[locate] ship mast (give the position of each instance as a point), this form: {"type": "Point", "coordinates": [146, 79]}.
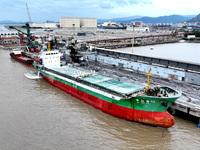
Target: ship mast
{"type": "Point", "coordinates": [148, 80]}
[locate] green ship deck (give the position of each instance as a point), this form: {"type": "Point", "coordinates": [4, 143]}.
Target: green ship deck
{"type": "Point", "coordinates": [110, 84]}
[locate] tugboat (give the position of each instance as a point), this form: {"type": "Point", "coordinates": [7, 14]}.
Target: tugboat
{"type": "Point", "coordinates": [119, 99]}
{"type": "Point", "coordinates": [19, 56]}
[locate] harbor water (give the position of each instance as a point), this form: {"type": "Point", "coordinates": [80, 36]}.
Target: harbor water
{"type": "Point", "coordinates": [2, 27]}
{"type": "Point", "coordinates": [36, 115]}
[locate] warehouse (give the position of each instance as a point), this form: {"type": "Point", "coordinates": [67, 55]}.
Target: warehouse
{"type": "Point", "coordinates": [71, 22]}
{"type": "Point", "coordinates": [44, 25]}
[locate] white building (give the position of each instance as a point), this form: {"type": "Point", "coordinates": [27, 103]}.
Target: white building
{"type": "Point", "coordinates": [71, 22]}
{"type": "Point", "coordinates": [191, 36]}
{"type": "Point", "coordinates": [137, 23]}
{"type": "Point", "coordinates": [88, 22]}
{"type": "Point", "coordinates": [105, 24]}
{"type": "Point", "coordinates": [137, 29]}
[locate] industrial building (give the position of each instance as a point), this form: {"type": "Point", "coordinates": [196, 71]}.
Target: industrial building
{"type": "Point", "coordinates": [44, 25]}
{"type": "Point", "coordinates": [137, 29]}
{"type": "Point", "coordinates": [137, 23]}
{"type": "Point", "coordinates": [77, 23]}
{"type": "Point", "coordinates": [105, 24]}
{"type": "Point", "coordinates": [137, 26]}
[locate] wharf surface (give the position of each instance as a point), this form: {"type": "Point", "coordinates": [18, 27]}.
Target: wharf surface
{"type": "Point", "coordinates": [186, 107]}
{"type": "Point", "coordinates": [141, 40]}
{"type": "Point", "coordinates": [179, 70]}
{"type": "Point", "coordinates": [161, 61]}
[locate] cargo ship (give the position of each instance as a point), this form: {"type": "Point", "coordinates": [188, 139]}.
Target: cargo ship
{"type": "Point", "coordinates": [21, 57]}
{"type": "Point", "coordinates": [117, 98]}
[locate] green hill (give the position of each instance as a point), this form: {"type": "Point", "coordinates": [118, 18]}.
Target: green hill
{"type": "Point", "coordinates": [195, 19]}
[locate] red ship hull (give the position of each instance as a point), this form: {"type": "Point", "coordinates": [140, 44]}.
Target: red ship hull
{"type": "Point", "coordinates": [22, 59]}
{"type": "Point", "coordinates": [152, 118]}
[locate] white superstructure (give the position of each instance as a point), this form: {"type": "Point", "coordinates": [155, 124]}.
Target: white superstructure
{"type": "Point", "coordinates": [50, 59]}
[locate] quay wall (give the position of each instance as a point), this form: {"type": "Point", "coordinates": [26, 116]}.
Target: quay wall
{"type": "Point", "coordinates": [7, 41]}
{"type": "Point", "coordinates": [144, 67]}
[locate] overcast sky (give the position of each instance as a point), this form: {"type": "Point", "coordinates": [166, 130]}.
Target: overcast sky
{"type": "Point", "coordinates": [42, 10]}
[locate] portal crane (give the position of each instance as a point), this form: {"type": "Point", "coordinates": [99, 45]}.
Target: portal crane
{"type": "Point", "coordinates": [30, 38]}
{"type": "Point", "coordinates": [29, 44]}
{"type": "Point", "coordinates": [28, 13]}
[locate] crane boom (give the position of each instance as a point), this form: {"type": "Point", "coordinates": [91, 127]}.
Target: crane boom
{"type": "Point", "coordinates": [28, 13]}
{"type": "Point", "coordinates": [29, 44]}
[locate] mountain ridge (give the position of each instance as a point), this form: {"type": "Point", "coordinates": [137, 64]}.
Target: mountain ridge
{"type": "Point", "coordinates": [195, 19]}
{"type": "Point", "coordinates": [11, 22]}
{"type": "Point", "coordinates": [146, 19]}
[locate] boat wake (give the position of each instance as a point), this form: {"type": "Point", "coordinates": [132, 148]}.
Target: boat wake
{"type": "Point", "coordinates": [33, 75]}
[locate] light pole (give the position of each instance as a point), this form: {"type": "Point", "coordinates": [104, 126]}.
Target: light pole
{"type": "Point", "coordinates": [132, 41]}
{"type": "Point", "coordinates": [74, 28]}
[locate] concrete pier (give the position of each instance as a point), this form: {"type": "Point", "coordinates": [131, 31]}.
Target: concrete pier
{"type": "Point", "coordinates": [186, 107]}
